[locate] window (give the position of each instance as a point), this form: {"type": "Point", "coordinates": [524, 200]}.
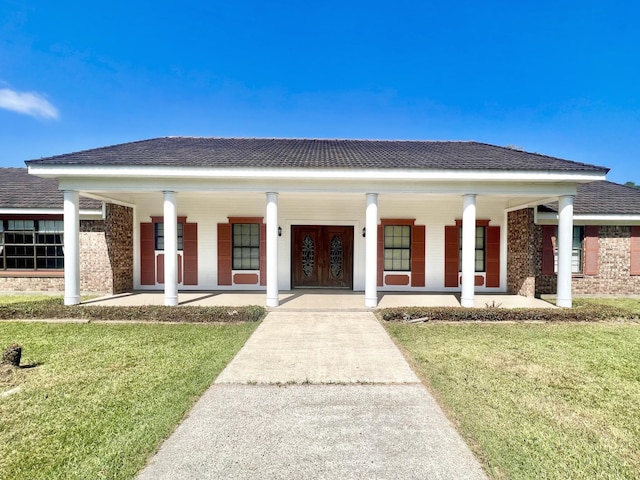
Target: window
{"type": "Point", "coordinates": [480, 249]}
{"type": "Point", "coordinates": [577, 251]}
{"type": "Point", "coordinates": [397, 248]}
{"type": "Point", "coordinates": [246, 246]}
{"type": "Point", "coordinates": [159, 236]}
{"type": "Point", "coordinates": [31, 244]}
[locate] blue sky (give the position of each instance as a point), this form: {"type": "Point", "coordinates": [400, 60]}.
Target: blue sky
{"type": "Point", "coordinates": [554, 77]}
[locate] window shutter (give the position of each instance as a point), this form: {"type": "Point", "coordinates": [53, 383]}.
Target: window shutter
{"type": "Point", "coordinates": [548, 250]}
{"type": "Point", "coordinates": [635, 251]}
{"type": "Point", "coordinates": [591, 234]}
{"type": "Point", "coordinates": [451, 256]}
{"type": "Point", "coordinates": [190, 252]}
{"type": "Point", "coordinates": [263, 254]}
{"type": "Point", "coordinates": [160, 267]}
{"type": "Point", "coordinates": [493, 256]}
{"type": "Point", "coordinates": [380, 255]}
{"type": "Point", "coordinates": [417, 256]}
{"type": "Point", "coordinates": [147, 255]}
{"type": "Point", "coordinates": [224, 254]}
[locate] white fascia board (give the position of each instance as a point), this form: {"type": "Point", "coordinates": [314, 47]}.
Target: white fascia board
{"type": "Point", "coordinates": [159, 172]}
{"type": "Point", "coordinates": [85, 213]}
{"type": "Point", "coordinates": [551, 218]}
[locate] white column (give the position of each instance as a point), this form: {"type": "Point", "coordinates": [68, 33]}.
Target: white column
{"type": "Point", "coordinates": [468, 250]}
{"type": "Point", "coordinates": [565, 247]}
{"type": "Point", "coordinates": [71, 248]}
{"type": "Point", "coordinates": [371, 252]}
{"type": "Point", "coordinates": [170, 249]}
{"type": "Point", "coordinates": [272, 249]}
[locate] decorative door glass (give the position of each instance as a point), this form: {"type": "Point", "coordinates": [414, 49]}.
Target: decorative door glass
{"type": "Point", "coordinates": [308, 255]}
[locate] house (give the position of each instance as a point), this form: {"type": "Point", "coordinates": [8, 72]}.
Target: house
{"type": "Point", "coordinates": [364, 215]}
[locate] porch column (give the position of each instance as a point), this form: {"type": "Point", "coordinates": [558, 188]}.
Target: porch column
{"type": "Point", "coordinates": [272, 249]}
{"type": "Point", "coordinates": [468, 250]}
{"type": "Point", "coordinates": [371, 253]}
{"type": "Point", "coordinates": [71, 247]}
{"type": "Point", "coordinates": [565, 244]}
{"type": "Point", "coordinates": [170, 249]}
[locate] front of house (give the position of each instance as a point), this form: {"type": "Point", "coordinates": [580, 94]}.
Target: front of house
{"type": "Point", "coordinates": [278, 214]}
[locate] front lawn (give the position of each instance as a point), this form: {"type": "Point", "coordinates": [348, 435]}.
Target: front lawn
{"type": "Point", "coordinates": [629, 303]}
{"type": "Point", "coordinates": [100, 398]}
{"type": "Point", "coordinates": [552, 400]}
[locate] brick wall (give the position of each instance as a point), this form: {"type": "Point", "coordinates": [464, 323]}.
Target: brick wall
{"type": "Point", "coordinates": [524, 261]}
{"type": "Point", "coordinates": [106, 259]}
{"type": "Point", "coordinates": [119, 240]}
{"type": "Point", "coordinates": [28, 283]}
{"type": "Point", "coordinates": [95, 270]}
{"type": "Point", "coordinates": [521, 253]}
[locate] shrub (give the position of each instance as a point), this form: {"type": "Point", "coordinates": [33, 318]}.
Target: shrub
{"type": "Point", "coordinates": [592, 313]}
{"type": "Point", "coordinates": [55, 309]}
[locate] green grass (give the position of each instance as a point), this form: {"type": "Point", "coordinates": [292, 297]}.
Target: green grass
{"type": "Point", "coordinates": [103, 397]}
{"type": "Point", "coordinates": [632, 304]}
{"type": "Point", "coordinates": [555, 400]}
{"type": "Point", "coordinates": [28, 298]}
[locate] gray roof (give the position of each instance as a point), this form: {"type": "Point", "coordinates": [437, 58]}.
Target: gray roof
{"type": "Point", "coordinates": [18, 189]}
{"type": "Point", "coordinates": [316, 153]}
{"type": "Point", "coordinates": [602, 198]}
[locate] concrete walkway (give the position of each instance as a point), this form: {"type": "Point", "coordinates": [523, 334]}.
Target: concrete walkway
{"type": "Point", "coordinates": [316, 396]}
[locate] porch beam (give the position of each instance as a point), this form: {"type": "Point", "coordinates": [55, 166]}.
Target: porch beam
{"type": "Point", "coordinates": [467, 296]}
{"type": "Point", "coordinates": [71, 247]}
{"type": "Point", "coordinates": [565, 244]}
{"type": "Point", "coordinates": [272, 249]}
{"type": "Point", "coordinates": [170, 249]}
{"type": "Point", "coordinates": [371, 253]}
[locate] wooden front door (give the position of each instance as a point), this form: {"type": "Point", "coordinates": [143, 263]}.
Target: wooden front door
{"type": "Point", "coordinates": [322, 256]}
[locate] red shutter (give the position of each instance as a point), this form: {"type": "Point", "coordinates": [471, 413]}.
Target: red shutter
{"type": "Point", "coordinates": [224, 254]}
{"type": "Point", "coordinates": [190, 251]}
{"type": "Point", "coordinates": [591, 234]}
{"type": "Point", "coordinates": [635, 251]}
{"type": "Point", "coordinates": [380, 255]}
{"type": "Point", "coordinates": [160, 267]}
{"type": "Point", "coordinates": [548, 249]}
{"type": "Point", "coordinates": [263, 254]}
{"type": "Point", "coordinates": [147, 254]}
{"type": "Point", "coordinates": [493, 257]}
{"type": "Point", "coordinates": [451, 253]}
{"type": "Point", "coordinates": [417, 256]}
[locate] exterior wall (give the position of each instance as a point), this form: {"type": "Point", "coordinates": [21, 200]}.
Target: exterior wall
{"type": "Point", "coordinates": [106, 252]}
{"type": "Point", "coordinates": [31, 283]}
{"type": "Point", "coordinates": [95, 272]}
{"type": "Point", "coordinates": [433, 211]}
{"type": "Point", "coordinates": [106, 259]}
{"type": "Point", "coordinates": [119, 241]}
{"type": "Point", "coordinates": [522, 252]}
{"type": "Point", "coordinates": [614, 262]}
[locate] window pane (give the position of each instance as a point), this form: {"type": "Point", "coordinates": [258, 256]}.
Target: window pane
{"type": "Point", "coordinates": [246, 246]}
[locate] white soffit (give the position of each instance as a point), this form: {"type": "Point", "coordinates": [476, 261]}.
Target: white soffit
{"type": "Point", "coordinates": [61, 171]}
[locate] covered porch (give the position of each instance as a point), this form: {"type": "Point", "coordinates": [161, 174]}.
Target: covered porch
{"type": "Point", "coordinates": [326, 300]}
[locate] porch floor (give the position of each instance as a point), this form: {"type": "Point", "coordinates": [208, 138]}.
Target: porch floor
{"type": "Point", "coordinates": [304, 299]}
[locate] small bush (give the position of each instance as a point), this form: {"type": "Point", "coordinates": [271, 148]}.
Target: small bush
{"type": "Point", "coordinates": [592, 313]}
{"type": "Point", "coordinates": [55, 309]}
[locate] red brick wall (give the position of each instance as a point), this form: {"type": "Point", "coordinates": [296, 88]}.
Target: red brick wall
{"type": "Point", "coordinates": [524, 261]}
{"type": "Point", "coordinates": [521, 253]}
{"type": "Point", "coordinates": [106, 258]}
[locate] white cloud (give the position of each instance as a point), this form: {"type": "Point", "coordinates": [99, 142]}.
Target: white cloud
{"type": "Point", "coordinates": [29, 103]}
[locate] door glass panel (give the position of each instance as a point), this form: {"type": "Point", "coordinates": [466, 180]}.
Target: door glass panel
{"type": "Point", "coordinates": [308, 255]}
{"type": "Point", "coordinates": [336, 256]}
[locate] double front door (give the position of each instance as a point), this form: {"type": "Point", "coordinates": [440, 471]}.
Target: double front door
{"type": "Point", "coordinates": [322, 256]}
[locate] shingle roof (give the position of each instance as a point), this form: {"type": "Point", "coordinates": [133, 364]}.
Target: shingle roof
{"type": "Point", "coordinates": [602, 198]}
{"type": "Point", "coordinates": [18, 189]}
{"type": "Point", "coordinates": [315, 153]}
